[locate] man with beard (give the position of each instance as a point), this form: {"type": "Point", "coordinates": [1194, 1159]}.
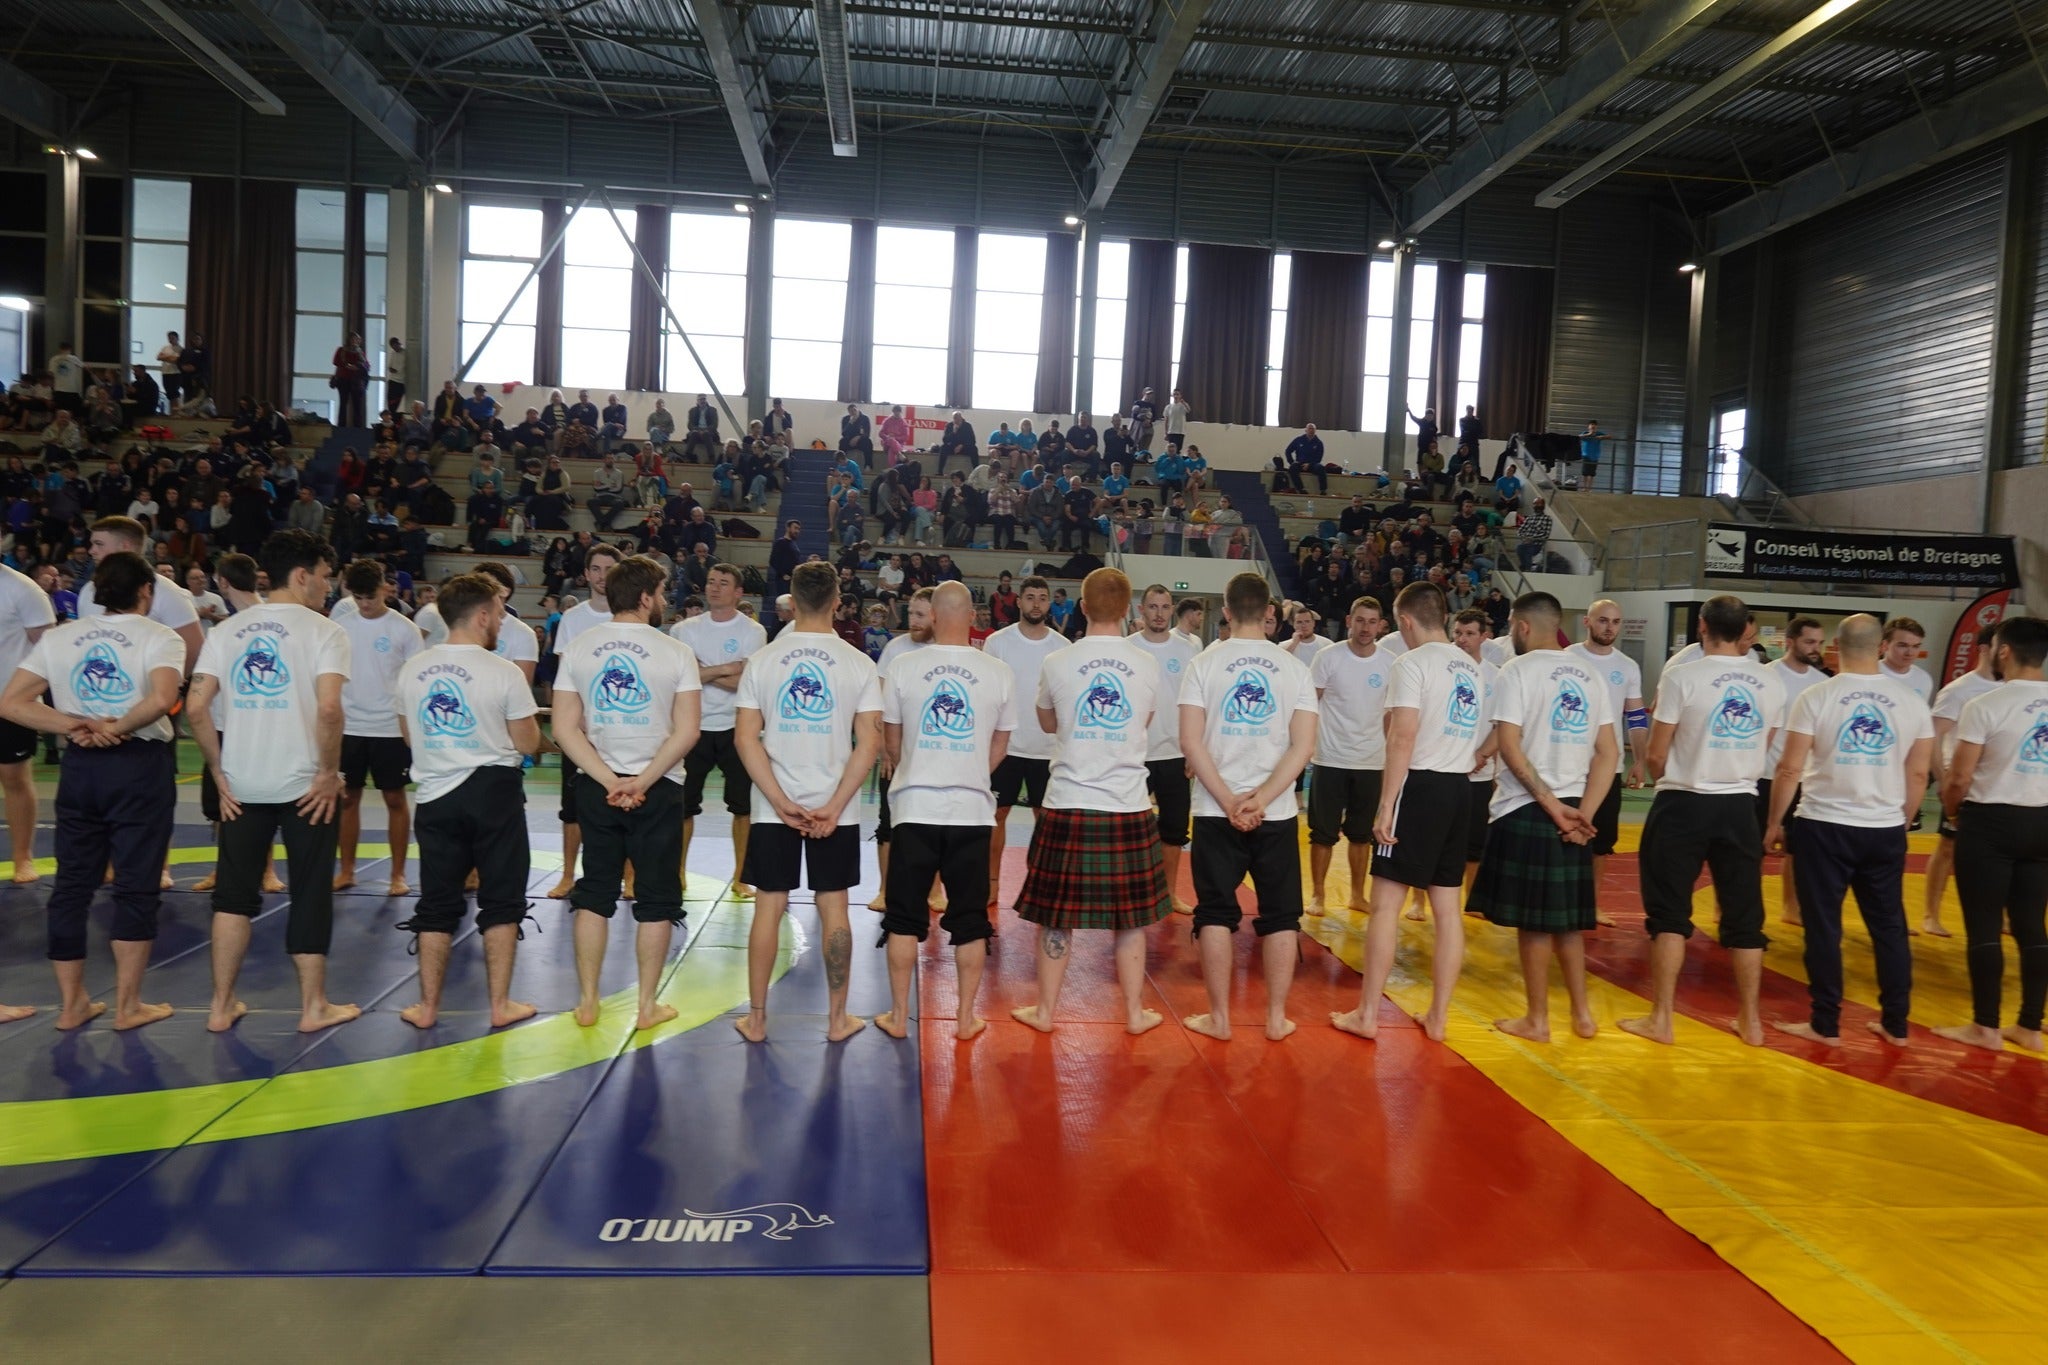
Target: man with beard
{"type": "Point", "coordinates": [1351, 751]}
{"type": "Point", "coordinates": [1166, 766]}
{"type": "Point", "coordinates": [1022, 775]}
{"type": "Point", "coordinates": [1799, 669]}
{"type": "Point", "coordinates": [917, 637]}
{"type": "Point", "coordinates": [1622, 677]}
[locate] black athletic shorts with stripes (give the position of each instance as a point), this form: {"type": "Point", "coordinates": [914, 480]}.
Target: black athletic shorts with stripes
{"type": "Point", "coordinates": [1429, 831]}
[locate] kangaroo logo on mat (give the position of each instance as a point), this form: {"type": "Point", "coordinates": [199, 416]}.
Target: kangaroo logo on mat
{"type": "Point", "coordinates": [260, 672]}
{"type": "Point", "coordinates": [618, 686]}
{"type": "Point", "coordinates": [1104, 704]}
{"type": "Point", "coordinates": [806, 696]}
{"type": "Point", "coordinates": [100, 679]}
{"type": "Point", "coordinates": [1571, 714]}
{"type": "Point", "coordinates": [1464, 704]}
{"type": "Point", "coordinates": [1738, 716]}
{"type": "Point", "coordinates": [444, 711]}
{"type": "Point", "coordinates": [1866, 733]}
{"type": "Point", "coordinates": [1249, 702]}
{"type": "Point", "coordinates": [773, 1221]}
{"type": "Point", "coordinates": [949, 715]}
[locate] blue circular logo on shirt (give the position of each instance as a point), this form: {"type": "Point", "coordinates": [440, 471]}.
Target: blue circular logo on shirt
{"type": "Point", "coordinates": [732, 646]}
{"type": "Point", "coordinates": [99, 678]}
{"type": "Point", "coordinates": [1866, 733]}
{"type": "Point", "coordinates": [806, 696]}
{"type": "Point", "coordinates": [618, 686]}
{"type": "Point", "coordinates": [1739, 715]}
{"type": "Point", "coordinates": [260, 672]}
{"type": "Point", "coordinates": [1615, 677]}
{"type": "Point", "coordinates": [383, 644]}
{"type": "Point", "coordinates": [1375, 682]}
{"type": "Point", "coordinates": [949, 714]}
{"type": "Point", "coordinates": [444, 711]}
{"type": "Point", "coordinates": [1103, 705]}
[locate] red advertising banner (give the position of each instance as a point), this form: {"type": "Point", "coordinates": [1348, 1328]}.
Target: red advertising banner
{"type": "Point", "coordinates": [1969, 629]}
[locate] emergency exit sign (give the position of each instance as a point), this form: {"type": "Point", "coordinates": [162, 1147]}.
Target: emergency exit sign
{"type": "Point", "coordinates": [1180, 587]}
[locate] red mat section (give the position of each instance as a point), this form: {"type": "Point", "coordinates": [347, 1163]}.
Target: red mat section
{"type": "Point", "coordinates": [1169, 1198]}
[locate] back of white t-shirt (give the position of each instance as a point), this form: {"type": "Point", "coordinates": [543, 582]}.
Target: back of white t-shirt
{"type": "Point", "coordinates": [1025, 657]}
{"type": "Point", "coordinates": [458, 703]}
{"type": "Point", "coordinates": [23, 607]}
{"type": "Point", "coordinates": [720, 642]}
{"type": "Point", "coordinates": [1725, 707]}
{"type": "Point", "coordinates": [2012, 725]}
{"type": "Point", "coordinates": [1173, 658]}
{"type": "Point", "coordinates": [1446, 689]}
{"type": "Point", "coordinates": [377, 651]}
{"type": "Point", "coordinates": [808, 687]}
{"type": "Point", "coordinates": [949, 700]}
{"type": "Point", "coordinates": [1863, 725]}
{"type": "Point", "coordinates": [102, 667]}
{"type": "Point", "coordinates": [266, 660]}
{"type": "Point", "coordinates": [170, 605]}
{"type": "Point", "coordinates": [518, 643]}
{"type": "Point", "coordinates": [1622, 678]}
{"type": "Point", "coordinates": [1248, 692]}
{"type": "Point", "coordinates": [1949, 704]}
{"type": "Point", "coordinates": [1103, 694]}
{"type": "Point", "coordinates": [579, 618]}
{"type": "Point", "coordinates": [1558, 702]}
{"type": "Point", "coordinates": [429, 624]}
{"type": "Point", "coordinates": [627, 677]}
{"type": "Point", "coordinates": [1351, 730]}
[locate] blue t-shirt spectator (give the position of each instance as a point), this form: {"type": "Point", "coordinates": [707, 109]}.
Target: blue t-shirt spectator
{"type": "Point", "coordinates": [1589, 444]}
{"type": "Point", "coordinates": [1508, 486]}
{"type": "Point", "coordinates": [1170, 468]}
{"type": "Point", "coordinates": [1116, 485]}
{"type": "Point", "coordinates": [1059, 612]}
{"type": "Point", "coordinates": [481, 409]}
{"type": "Point", "coordinates": [1030, 479]}
{"type": "Point", "coordinates": [1025, 441]}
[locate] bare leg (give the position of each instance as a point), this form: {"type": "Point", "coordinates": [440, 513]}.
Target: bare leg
{"type": "Point", "coordinates": [1601, 917]}
{"type": "Point", "coordinates": [1940, 864]}
{"type": "Point", "coordinates": [501, 946]}
{"type": "Point", "coordinates": [1571, 956]}
{"type": "Point", "coordinates": [839, 1025]}
{"type": "Point", "coordinates": [996, 840]}
{"type": "Point", "coordinates": [741, 825]}
{"type": "Point", "coordinates": [1534, 1025]}
{"type": "Point", "coordinates": [689, 833]}
{"type": "Point", "coordinates": [351, 831]}
{"type": "Point", "coordinates": [1788, 893]}
{"type": "Point", "coordinates": [1318, 877]}
{"type": "Point", "coordinates": [77, 1008]}
{"type": "Point", "coordinates": [1382, 935]}
{"type": "Point", "coordinates": [316, 1011]}
{"type": "Point", "coordinates": [19, 785]}
{"type": "Point", "coordinates": [1667, 956]}
{"type": "Point", "coordinates": [881, 900]}
{"type": "Point", "coordinates": [572, 844]}
{"type": "Point", "coordinates": [1446, 961]}
{"type": "Point", "coordinates": [1130, 975]}
{"type": "Point", "coordinates": [1053, 945]}
{"type": "Point", "coordinates": [230, 946]}
{"type": "Point", "coordinates": [1749, 982]}
{"type": "Point", "coordinates": [1279, 953]}
{"type": "Point", "coordinates": [902, 952]}
{"type": "Point", "coordinates": [211, 879]}
{"type": "Point", "coordinates": [593, 935]}
{"type": "Point", "coordinates": [968, 961]}
{"type": "Point", "coordinates": [399, 817]}
{"type": "Point", "coordinates": [1358, 858]}
{"type": "Point", "coordinates": [1171, 856]}
{"type": "Point", "coordinates": [651, 946]}
{"type": "Point", "coordinates": [272, 883]}
{"type": "Point", "coordinates": [764, 939]}
{"type": "Point", "coordinates": [1418, 905]}
{"type": "Point", "coordinates": [433, 972]}
{"type": "Point", "coordinates": [1213, 942]}
{"type": "Point", "coordinates": [131, 960]}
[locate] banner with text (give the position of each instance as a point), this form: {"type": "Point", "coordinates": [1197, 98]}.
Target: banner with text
{"type": "Point", "coordinates": [1894, 558]}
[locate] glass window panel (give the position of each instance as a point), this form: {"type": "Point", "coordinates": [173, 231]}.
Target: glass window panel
{"type": "Point", "coordinates": [375, 297]}
{"type": "Point", "coordinates": [486, 285]}
{"type": "Point", "coordinates": [1475, 295]}
{"type": "Point", "coordinates": [803, 369]}
{"type": "Point", "coordinates": [320, 218]}
{"type": "Point", "coordinates": [1005, 381]}
{"type": "Point", "coordinates": [711, 303]}
{"type": "Point", "coordinates": [310, 395]}
{"type": "Point", "coordinates": [376, 221]}
{"type": "Point", "coordinates": [907, 315]}
{"type": "Point", "coordinates": [314, 339]}
{"type": "Point", "coordinates": [156, 273]}
{"type": "Point", "coordinates": [1375, 402]}
{"type": "Point", "coordinates": [1418, 394]}
{"type": "Point", "coordinates": [1421, 336]}
{"type": "Point", "coordinates": [726, 356]}
{"type": "Point", "coordinates": [1180, 275]}
{"type": "Point", "coordinates": [499, 231]}
{"type": "Point", "coordinates": [1010, 262]}
{"type": "Point", "coordinates": [593, 296]}
{"type": "Point", "coordinates": [709, 241]}
{"type": "Point", "coordinates": [1379, 346]}
{"type": "Point", "coordinates": [1006, 322]}
{"type": "Point", "coordinates": [1425, 290]}
{"type": "Point", "coordinates": [810, 250]}
{"type": "Point", "coordinates": [808, 310]}
{"type": "Point", "coordinates": [163, 209]}
{"type": "Point", "coordinates": [1379, 289]}
{"type": "Point", "coordinates": [594, 239]}
{"type": "Point", "coordinates": [1283, 272]}
{"type": "Point", "coordinates": [914, 256]}
{"type": "Point", "coordinates": [592, 359]}
{"type": "Point", "coordinates": [1276, 340]}
{"type": "Point", "coordinates": [319, 282]}
{"type": "Point", "coordinates": [1273, 399]}
{"type": "Point", "coordinates": [1109, 383]}
{"type": "Point", "coordinates": [508, 359]}
{"type": "Point", "coordinates": [1113, 271]}
{"type": "Point", "coordinates": [1470, 338]}
{"type": "Point", "coordinates": [1109, 330]}
{"type": "Point", "coordinates": [1468, 397]}
{"type": "Point", "coordinates": [1180, 324]}
{"type": "Point", "coordinates": [373, 346]}
{"type": "Point", "coordinates": [910, 375]}
{"type": "Point", "coordinates": [146, 328]}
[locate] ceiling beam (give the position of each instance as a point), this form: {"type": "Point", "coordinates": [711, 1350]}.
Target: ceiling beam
{"type": "Point", "coordinates": [171, 26]}
{"type": "Point", "coordinates": [1150, 75]}
{"type": "Point", "coordinates": [2004, 104]}
{"type": "Point", "coordinates": [730, 48]}
{"type": "Point", "coordinates": [26, 101]}
{"type": "Point", "coordinates": [299, 32]}
{"type": "Point", "coordinates": [953, 14]}
{"type": "Point", "coordinates": [1617, 57]}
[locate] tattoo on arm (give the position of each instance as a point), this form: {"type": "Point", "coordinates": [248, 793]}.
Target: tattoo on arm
{"type": "Point", "coordinates": [1526, 774]}
{"type": "Point", "coordinates": [1054, 942]}
{"type": "Point", "coordinates": [838, 957]}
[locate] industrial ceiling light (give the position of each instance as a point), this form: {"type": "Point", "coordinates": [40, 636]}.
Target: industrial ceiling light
{"type": "Point", "coordinates": [835, 74]}
{"type": "Point", "coordinates": [1388, 244]}
{"type": "Point", "coordinates": [1688, 267]}
{"type": "Point", "coordinates": [443, 187]}
{"type": "Point", "coordinates": [741, 206]}
{"type": "Point", "coordinates": [15, 303]}
{"type": "Point", "coordinates": [1072, 220]}
{"type": "Point", "coordinates": [86, 154]}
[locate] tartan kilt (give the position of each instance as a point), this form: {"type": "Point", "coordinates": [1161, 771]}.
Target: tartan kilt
{"type": "Point", "coordinates": [1095, 870]}
{"type": "Point", "coordinates": [1530, 878]}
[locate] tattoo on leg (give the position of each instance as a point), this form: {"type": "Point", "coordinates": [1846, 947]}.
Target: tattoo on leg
{"type": "Point", "coordinates": [1055, 942]}
{"type": "Point", "coordinates": [838, 956]}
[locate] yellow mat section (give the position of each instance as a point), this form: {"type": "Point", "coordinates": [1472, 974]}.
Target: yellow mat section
{"type": "Point", "coordinates": [1902, 1230]}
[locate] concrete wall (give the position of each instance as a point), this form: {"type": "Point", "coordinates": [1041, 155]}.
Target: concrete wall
{"type": "Point", "coordinates": [2019, 508]}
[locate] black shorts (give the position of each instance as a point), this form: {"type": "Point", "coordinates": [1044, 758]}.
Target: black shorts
{"type": "Point", "coordinates": [1342, 801]}
{"type": "Point", "coordinates": [569, 779]}
{"type": "Point", "coordinates": [1763, 805]}
{"type": "Point", "coordinates": [382, 761]}
{"type": "Point", "coordinates": [1607, 821]}
{"type": "Point", "coordinates": [1221, 859]}
{"type": "Point", "coordinates": [18, 743]}
{"type": "Point", "coordinates": [883, 826]}
{"type": "Point", "coordinates": [1430, 816]}
{"type": "Point", "coordinates": [958, 856]}
{"type": "Point", "coordinates": [777, 854]}
{"type": "Point", "coordinates": [1014, 775]}
{"type": "Point", "coordinates": [1173, 792]}
{"type": "Point", "coordinates": [1481, 798]}
{"type": "Point", "coordinates": [1685, 831]}
{"type": "Point", "coordinates": [715, 749]}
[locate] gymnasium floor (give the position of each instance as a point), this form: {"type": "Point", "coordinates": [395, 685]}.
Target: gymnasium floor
{"type": "Point", "coordinates": [1083, 1196]}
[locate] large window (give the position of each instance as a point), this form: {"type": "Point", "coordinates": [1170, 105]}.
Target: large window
{"type": "Point", "coordinates": [913, 314]}
{"type": "Point", "coordinates": [1009, 295]}
{"type": "Point", "coordinates": [499, 248]}
{"type": "Point", "coordinates": [707, 286]}
{"type": "Point", "coordinates": [320, 329]}
{"type": "Point", "coordinates": [1112, 292]}
{"type": "Point", "coordinates": [1731, 436]}
{"type": "Point", "coordinates": [160, 227]}
{"type": "Point", "coordinates": [597, 290]}
{"type": "Point", "coordinates": [807, 315]}
{"type": "Point", "coordinates": [1180, 319]}
{"type": "Point", "coordinates": [1471, 341]}
{"type": "Point", "coordinates": [1276, 334]}
{"type": "Point", "coordinates": [1379, 339]}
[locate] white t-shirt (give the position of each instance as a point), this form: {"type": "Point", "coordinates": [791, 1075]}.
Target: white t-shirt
{"type": "Point", "coordinates": [578, 619]}
{"type": "Point", "coordinates": [343, 608]}
{"type": "Point", "coordinates": [23, 607]}
{"type": "Point", "coordinates": [1176, 415]}
{"type": "Point", "coordinates": [628, 677]}
{"type": "Point", "coordinates": [1025, 658]}
{"type": "Point", "coordinates": [1351, 733]}
{"type": "Point", "coordinates": [1862, 725]}
{"type": "Point", "coordinates": [1103, 693]}
{"type": "Point", "coordinates": [1725, 708]}
{"type": "Point", "coordinates": [377, 651]}
{"type": "Point", "coordinates": [102, 667]}
{"type": "Point", "coordinates": [1171, 657]}
{"type": "Point", "coordinates": [721, 642]}
{"type": "Point", "coordinates": [1446, 689]}
{"type": "Point", "coordinates": [2012, 725]}
{"type": "Point", "coordinates": [1305, 651]}
{"type": "Point", "coordinates": [203, 602]}
{"type": "Point", "coordinates": [808, 686]}
{"type": "Point", "coordinates": [897, 647]}
{"type": "Point", "coordinates": [1949, 704]}
{"type": "Point", "coordinates": [1394, 643]}
{"type": "Point", "coordinates": [1916, 677]}
{"type": "Point", "coordinates": [1489, 675]}
{"type": "Point", "coordinates": [266, 660]}
{"type": "Point", "coordinates": [458, 703]}
{"type": "Point", "coordinates": [1691, 654]}
{"type": "Point", "coordinates": [950, 700]}
{"type": "Point", "coordinates": [518, 643]}
{"type": "Point", "coordinates": [67, 374]}
{"type": "Point", "coordinates": [1559, 701]}
{"type": "Point", "coordinates": [169, 606]}
{"type": "Point", "coordinates": [1622, 678]}
{"type": "Point", "coordinates": [1497, 650]}
{"type": "Point", "coordinates": [429, 623]}
{"type": "Point", "coordinates": [1248, 692]}
{"type": "Point", "coordinates": [1795, 684]}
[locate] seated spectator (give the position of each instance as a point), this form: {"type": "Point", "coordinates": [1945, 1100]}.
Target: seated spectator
{"type": "Point", "coordinates": [780, 426]}
{"type": "Point", "coordinates": [480, 412]}
{"type": "Point", "coordinates": [532, 433]}
{"type": "Point", "coordinates": [607, 492]}
{"type": "Point", "coordinates": [700, 433]}
{"type": "Point", "coordinates": [1532, 536]}
{"type": "Point", "coordinates": [1115, 486]}
{"type": "Point", "coordinates": [895, 433]}
{"type": "Point", "coordinates": [925, 506]}
{"type": "Point", "coordinates": [585, 411]}
{"type": "Point", "coordinates": [1305, 456]}
{"type": "Point", "coordinates": [946, 571]}
{"type": "Point", "coordinates": [1508, 487]}
{"type": "Point", "coordinates": [957, 440]}
{"type": "Point", "coordinates": [1002, 514]}
{"type": "Point", "coordinates": [875, 636]}
{"type": "Point", "coordinates": [1083, 442]}
{"type": "Point", "coordinates": [578, 441]}
{"type": "Point", "coordinates": [549, 506]}
{"type": "Point", "coordinates": [698, 531]}
{"type": "Point", "coordinates": [486, 474]}
{"type": "Point", "coordinates": [485, 512]}
{"type": "Point", "coordinates": [856, 436]}
{"type": "Point", "coordinates": [611, 423]}
{"type": "Point", "coordinates": [650, 488]}
{"type": "Point", "coordinates": [890, 576]}
{"type": "Point", "coordinates": [661, 425]}
{"type": "Point", "coordinates": [305, 512]}
{"type": "Point", "coordinates": [1061, 611]}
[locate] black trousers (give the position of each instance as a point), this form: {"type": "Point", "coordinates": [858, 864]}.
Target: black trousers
{"type": "Point", "coordinates": [480, 827]}
{"type": "Point", "coordinates": [112, 804]}
{"type": "Point", "coordinates": [1828, 862]}
{"type": "Point", "coordinates": [651, 838]}
{"type": "Point", "coordinates": [1685, 831]}
{"type": "Point", "coordinates": [309, 871]}
{"type": "Point", "coordinates": [2002, 878]}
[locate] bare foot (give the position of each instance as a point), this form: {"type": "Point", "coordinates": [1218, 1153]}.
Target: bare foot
{"type": "Point", "coordinates": [1028, 1014]}
{"type": "Point", "coordinates": [1529, 1030]}
{"type": "Point", "coordinates": [880, 902]}
{"type": "Point", "coordinates": [26, 876]}
{"type": "Point", "coordinates": [398, 887]}
{"type": "Point", "coordinates": [1933, 926]}
{"type": "Point", "coordinates": [889, 1024]}
{"type": "Point", "coordinates": [839, 1033]}
{"type": "Point", "coordinates": [1604, 920]}
{"type": "Point", "coordinates": [326, 1015]}
{"type": "Point", "coordinates": [965, 1031]}
{"type": "Point", "coordinates": [1432, 1026]}
{"type": "Point", "coordinates": [471, 882]}
{"type": "Point", "coordinates": [1646, 1027]}
{"type": "Point", "coordinates": [1144, 1021]}
{"type": "Point", "coordinates": [1316, 907]}
{"type": "Point", "coordinates": [344, 880]}
{"type": "Point", "coordinates": [1808, 1032]}
{"type": "Point", "coordinates": [753, 1026]}
{"type": "Point", "coordinates": [1416, 913]}
{"type": "Point", "coordinates": [1359, 908]}
{"type": "Point", "coordinates": [205, 883]}
{"type": "Point", "coordinates": [2028, 1038]}
{"type": "Point", "coordinates": [511, 1013]}
{"type": "Point", "coordinates": [1990, 1039]}
{"type": "Point", "coordinates": [140, 1016]}
{"type": "Point", "coordinates": [272, 883]}
{"type": "Point", "coordinates": [1791, 917]}
{"type": "Point", "coordinates": [419, 1015]}
{"type": "Point", "coordinates": [1209, 1026]}
{"type": "Point", "coordinates": [742, 892]}
{"type": "Point", "coordinates": [1359, 1021]}
{"type": "Point", "coordinates": [221, 1020]}
{"type": "Point", "coordinates": [71, 1019]}
{"type": "Point", "coordinates": [586, 1013]}
{"type": "Point", "coordinates": [1585, 1025]}
{"type": "Point", "coordinates": [660, 1014]}
{"type": "Point", "coordinates": [1181, 907]}
{"type": "Point", "coordinates": [1878, 1029]}
{"type": "Point", "coordinates": [10, 1013]}
{"type": "Point", "coordinates": [1750, 1031]}
{"type": "Point", "coordinates": [164, 882]}
{"type": "Point", "coordinates": [561, 889]}
{"type": "Point", "coordinates": [1276, 1031]}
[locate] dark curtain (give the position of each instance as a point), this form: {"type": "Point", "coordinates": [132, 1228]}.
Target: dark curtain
{"type": "Point", "coordinates": [643, 342]}
{"type": "Point", "coordinates": [352, 269]}
{"type": "Point", "coordinates": [1054, 391]}
{"type": "Point", "coordinates": [1514, 367]}
{"type": "Point", "coordinates": [547, 335]}
{"type": "Point", "coordinates": [1443, 359]}
{"type": "Point", "coordinates": [1148, 328]}
{"type": "Point", "coordinates": [960, 332]}
{"type": "Point", "coordinates": [1223, 344]}
{"type": "Point", "coordinates": [242, 286]}
{"type": "Point", "coordinates": [857, 344]}
{"type": "Point", "coordinates": [1323, 368]}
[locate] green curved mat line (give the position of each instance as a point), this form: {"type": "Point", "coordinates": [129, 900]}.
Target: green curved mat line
{"type": "Point", "coordinates": [709, 980]}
